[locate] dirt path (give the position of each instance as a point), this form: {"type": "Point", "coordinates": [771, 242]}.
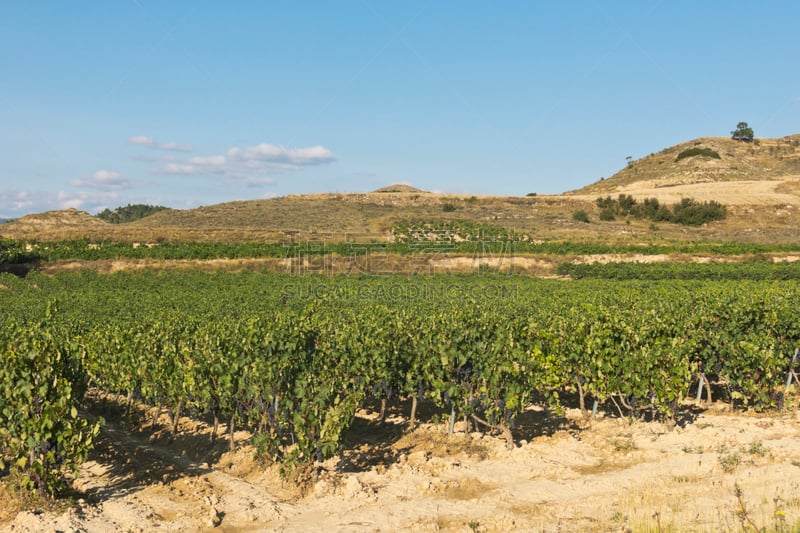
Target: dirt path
{"type": "Point", "coordinates": [569, 474]}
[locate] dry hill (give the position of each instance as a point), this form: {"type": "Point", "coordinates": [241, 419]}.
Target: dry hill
{"type": "Point", "coordinates": [758, 181]}
{"type": "Point", "coordinates": [66, 220]}
{"type": "Point", "coordinates": [762, 172]}
{"type": "Point", "coordinates": [399, 187]}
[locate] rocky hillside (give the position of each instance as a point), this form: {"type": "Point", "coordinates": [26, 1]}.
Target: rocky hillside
{"type": "Point", "coordinates": [707, 160]}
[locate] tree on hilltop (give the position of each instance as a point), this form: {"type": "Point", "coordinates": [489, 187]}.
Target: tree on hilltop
{"type": "Point", "coordinates": [743, 132]}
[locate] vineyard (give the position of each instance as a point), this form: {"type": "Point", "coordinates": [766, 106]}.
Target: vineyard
{"type": "Point", "coordinates": [409, 238]}
{"type": "Point", "coordinates": [291, 359]}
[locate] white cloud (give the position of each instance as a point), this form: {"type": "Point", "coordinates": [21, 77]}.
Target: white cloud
{"type": "Point", "coordinates": [252, 164]}
{"type": "Point", "coordinates": [15, 201]}
{"type": "Point", "coordinates": [211, 161]}
{"type": "Point", "coordinates": [149, 142]}
{"type": "Point", "coordinates": [144, 141]}
{"type": "Point", "coordinates": [86, 201]}
{"type": "Point", "coordinates": [177, 168]}
{"type": "Point", "coordinates": [18, 203]}
{"type": "Point", "coordinates": [161, 158]}
{"type": "Point", "coordinates": [175, 147]}
{"type": "Point", "coordinates": [104, 180]}
{"type": "Point", "coordinates": [313, 155]}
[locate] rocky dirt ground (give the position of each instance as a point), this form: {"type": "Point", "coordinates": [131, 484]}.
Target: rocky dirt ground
{"type": "Point", "coordinates": [567, 473]}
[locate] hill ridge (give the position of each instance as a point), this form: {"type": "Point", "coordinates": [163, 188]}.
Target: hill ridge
{"type": "Point", "coordinates": [759, 182]}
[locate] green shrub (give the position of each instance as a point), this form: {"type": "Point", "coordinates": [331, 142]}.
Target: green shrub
{"type": "Point", "coordinates": [697, 151]}
{"type": "Point", "coordinates": [605, 203]}
{"type": "Point", "coordinates": [688, 212]}
{"type": "Point", "coordinates": [691, 213]}
{"type": "Point", "coordinates": [656, 212]}
{"type": "Point", "coordinates": [448, 208]}
{"type": "Point", "coordinates": [626, 203]}
{"type": "Point", "coordinates": [581, 216]}
{"type": "Point", "coordinates": [607, 215]}
{"type": "Point", "coordinates": [729, 462]}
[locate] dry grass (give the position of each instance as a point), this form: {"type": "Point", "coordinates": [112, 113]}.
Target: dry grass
{"type": "Point", "coordinates": [15, 501]}
{"type": "Point", "coordinates": [791, 186]}
{"type": "Point", "coordinates": [436, 443]}
{"type": "Point", "coordinates": [465, 489]}
{"type": "Point", "coordinates": [12, 504]}
{"type": "Point", "coordinates": [355, 219]}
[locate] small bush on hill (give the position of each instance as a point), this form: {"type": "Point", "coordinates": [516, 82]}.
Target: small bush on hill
{"type": "Point", "coordinates": [581, 216]}
{"type": "Point", "coordinates": [697, 151]}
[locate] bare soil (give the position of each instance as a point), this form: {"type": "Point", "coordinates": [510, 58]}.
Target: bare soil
{"type": "Point", "coordinates": [776, 192]}
{"type": "Point", "coordinates": [566, 473]}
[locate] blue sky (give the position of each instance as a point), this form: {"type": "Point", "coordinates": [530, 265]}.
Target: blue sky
{"type": "Point", "coordinates": [193, 103]}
